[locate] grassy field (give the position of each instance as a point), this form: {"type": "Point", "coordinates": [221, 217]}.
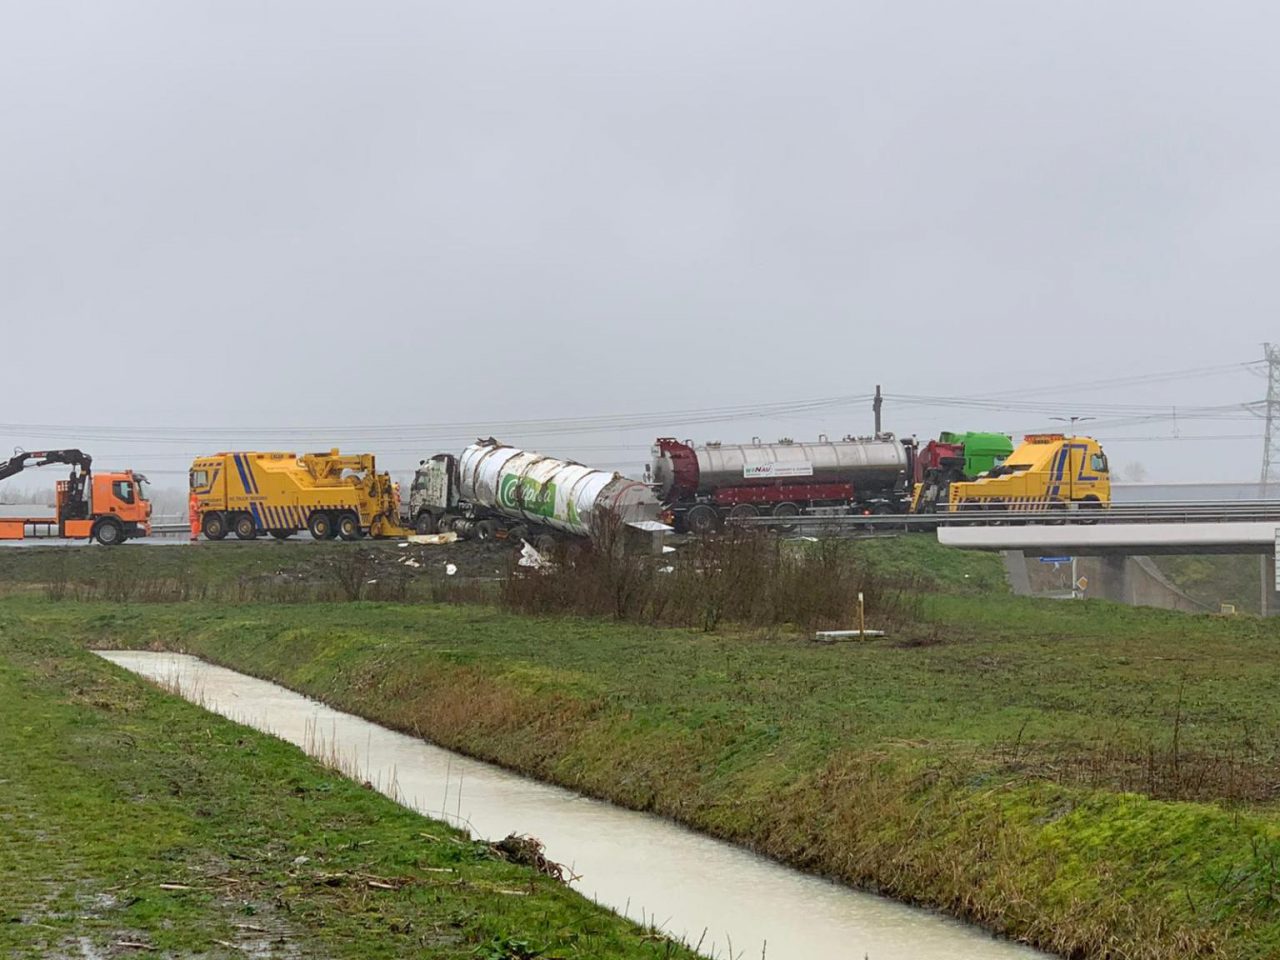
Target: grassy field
{"type": "Point", "coordinates": [1098, 780]}
{"type": "Point", "coordinates": [135, 824]}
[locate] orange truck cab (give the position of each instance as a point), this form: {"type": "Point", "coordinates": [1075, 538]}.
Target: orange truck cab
{"type": "Point", "coordinates": [117, 509]}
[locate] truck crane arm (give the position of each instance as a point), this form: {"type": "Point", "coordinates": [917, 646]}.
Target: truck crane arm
{"type": "Point", "coordinates": [22, 459]}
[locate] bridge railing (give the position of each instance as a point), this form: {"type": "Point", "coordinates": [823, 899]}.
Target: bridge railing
{"type": "Point", "coordinates": [1164, 511]}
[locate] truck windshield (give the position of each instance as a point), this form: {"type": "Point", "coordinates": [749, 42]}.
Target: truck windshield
{"type": "Point", "coordinates": [142, 484]}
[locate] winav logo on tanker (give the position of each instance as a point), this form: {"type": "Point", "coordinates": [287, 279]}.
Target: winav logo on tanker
{"type": "Point", "coordinates": [763, 470]}
{"type": "Point", "coordinates": [527, 495]}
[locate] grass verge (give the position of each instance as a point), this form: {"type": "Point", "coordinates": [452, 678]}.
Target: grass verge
{"type": "Point", "coordinates": [1098, 780]}
{"type": "Point", "coordinates": [135, 824]}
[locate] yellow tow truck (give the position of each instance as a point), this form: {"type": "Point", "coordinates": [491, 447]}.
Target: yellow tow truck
{"type": "Point", "coordinates": [328, 494]}
{"type": "Point", "coordinates": [1047, 471]}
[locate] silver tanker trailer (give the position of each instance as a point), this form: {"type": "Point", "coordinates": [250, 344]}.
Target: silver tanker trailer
{"type": "Point", "coordinates": [702, 484]}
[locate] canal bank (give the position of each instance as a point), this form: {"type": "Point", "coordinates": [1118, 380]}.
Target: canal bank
{"type": "Point", "coordinates": [938, 773]}
{"type": "Point", "coordinates": [135, 824]}
{"type": "Point", "coordinates": [701, 891]}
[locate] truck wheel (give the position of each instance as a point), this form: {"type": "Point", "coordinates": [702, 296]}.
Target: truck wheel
{"type": "Point", "coordinates": [108, 532]}
{"type": "Point", "coordinates": [485, 530]}
{"type": "Point", "coordinates": [785, 511]}
{"type": "Point", "coordinates": [425, 524]}
{"type": "Point", "coordinates": [244, 527]}
{"type": "Point", "coordinates": [321, 526]}
{"type": "Point", "coordinates": [215, 526]}
{"type": "Point", "coordinates": [349, 526]}
{"type": "Point", "coordinates": [743, 511]}
{"type": "Point", "coordinates": [701, 520]}
{"type": "Point", "coordinates": [1088, 506]}
{"type": "Point", "coordinates": [544, 543]}
{"type": "Point", "coordinates": [518, 533]}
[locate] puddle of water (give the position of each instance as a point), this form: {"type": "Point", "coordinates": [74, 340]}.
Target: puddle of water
{"type": "Point", "coordinates": [641, 865]}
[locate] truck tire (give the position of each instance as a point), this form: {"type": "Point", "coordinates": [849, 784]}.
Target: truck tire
{"type": "Point", "coordinates": [484, 530]}
{"type": "Point", "coordinates": [425, 524]}
{"type": "Point", "coordinates": [244, 527]}
{"type": "Point", "coordinates": [1088, 507]}
{"type": "Point", "coordinates": [215, 526]}
{"type": "Point", "coordinates": [744, 511]}
{"type": "Point", "coordinates": [544, 543]}
{"type": "Point", "coordinates": [349, 526]}
{"type": "Point", "coordinates": [517, 534]}
{"type": "Point", "coordinates": [108, 532]}
{"type": "Point", "coordinates": [784, 512]}
{"type": "Point", "coordinates": [702, 519]}
{"type": "Point", "coordinates": [321, 525]}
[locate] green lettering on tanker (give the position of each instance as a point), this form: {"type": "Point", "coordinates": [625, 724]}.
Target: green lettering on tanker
{"type": "Point", "coordinates": [527, 495]}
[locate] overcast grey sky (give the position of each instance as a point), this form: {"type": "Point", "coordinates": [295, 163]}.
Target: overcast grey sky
{"type": "Point", "coordinates": [327, 216]}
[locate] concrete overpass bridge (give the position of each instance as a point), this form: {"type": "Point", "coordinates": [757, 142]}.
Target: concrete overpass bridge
{"type": "Point", "coordinates": [1123, 546]}
{"type": "Point", "coordinates": [1122, 535]}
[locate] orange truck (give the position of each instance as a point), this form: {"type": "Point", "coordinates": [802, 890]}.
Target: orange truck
{"type": "Point", "coordinates": [108, 507]}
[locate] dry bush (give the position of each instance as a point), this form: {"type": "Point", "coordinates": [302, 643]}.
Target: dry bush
{"type": "Point", "coordinates": [352, 570]}
{"type": "Point", "coordinates": [741, 577]}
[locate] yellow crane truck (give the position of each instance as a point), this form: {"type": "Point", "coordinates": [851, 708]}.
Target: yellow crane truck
{"type": "Point", "coordinates": [1048, 471]}
{"type": "Point", "coordinates": [327, 494]}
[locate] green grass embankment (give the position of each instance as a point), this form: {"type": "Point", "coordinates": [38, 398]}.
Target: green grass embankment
{"type": "Point", "coordinates": [135, 824]}
{"type": "Point", "coordinates": [1097, 780]}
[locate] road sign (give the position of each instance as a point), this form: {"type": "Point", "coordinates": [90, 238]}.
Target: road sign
{"type": "Point", "coordinates": [1082, 583]}
{"type": "Point", "coordinates": [1055, 560]}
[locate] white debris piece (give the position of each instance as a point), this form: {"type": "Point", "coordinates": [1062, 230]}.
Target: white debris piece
{"type": "Point", "coordinates": [666, 569]}
{"type": "Point", "coordinates": [668, 549]}
{"type": "Point", "coordinates": [434, 538]}
{"type": "Point", "coordinates": [450, 569]}
{"type": "Point", "coordinates": [410, 562]}
{"type": "Point", "coordinates": [529, 557]}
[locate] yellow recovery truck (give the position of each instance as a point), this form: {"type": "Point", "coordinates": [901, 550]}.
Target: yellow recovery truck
{"type": "Point", "coordinates": [282, 493]}
{"type": "Point", "coordinates": [1048, 471]}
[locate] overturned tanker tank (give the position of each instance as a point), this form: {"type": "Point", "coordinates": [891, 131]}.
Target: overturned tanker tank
{"type": "Point", "coordinates": [491, 488]}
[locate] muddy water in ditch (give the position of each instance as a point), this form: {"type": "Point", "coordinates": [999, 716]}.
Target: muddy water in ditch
{"type": "Point", "coordinates": [635, 863]}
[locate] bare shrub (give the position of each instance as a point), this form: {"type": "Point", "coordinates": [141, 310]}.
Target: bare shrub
{"type": "Point", "coordinates": [742, 577]}
{"type": "Point", "coordinates": [58, 586]}
{"type": "Point", "coordinates": [351, 573]}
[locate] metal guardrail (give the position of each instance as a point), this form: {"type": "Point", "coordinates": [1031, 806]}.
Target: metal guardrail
{"type": "Point", "coordinates": [1164, 511]}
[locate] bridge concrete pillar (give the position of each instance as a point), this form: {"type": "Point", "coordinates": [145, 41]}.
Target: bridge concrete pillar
{"type": "Point", "coordinates": [1269, 600]}
{"type": "Point", "coordinates": [1015, 570]}
{"type": "Point", "coordinates": [1115, 578]}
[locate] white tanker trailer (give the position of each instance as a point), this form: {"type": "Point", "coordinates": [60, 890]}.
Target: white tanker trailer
{"type": "Point", "coordinates": [492, 487]}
